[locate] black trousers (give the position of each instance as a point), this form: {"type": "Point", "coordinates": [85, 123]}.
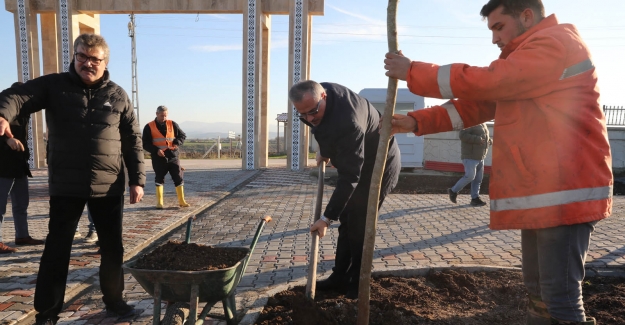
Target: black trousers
{"type": "Point", "coordinates": [65, 213]}
{"type": "Point", "coordinates": [353, 220]}
{"type": "Point", "coordinates": [162, 166]}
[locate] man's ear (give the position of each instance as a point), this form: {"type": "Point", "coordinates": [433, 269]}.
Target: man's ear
{"type": "Point", "coordinates": [528, 18]}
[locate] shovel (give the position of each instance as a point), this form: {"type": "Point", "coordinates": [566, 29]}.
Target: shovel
{"type": "Point", "coordinates": [311, 285]}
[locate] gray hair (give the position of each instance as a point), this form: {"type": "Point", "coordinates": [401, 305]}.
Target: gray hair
{"type": "Point", "coordinates": [161, 109]}
{"type": "Point", "coordinates": [297, 91]}
{"type": "Point", "coordinates": [90, 41]}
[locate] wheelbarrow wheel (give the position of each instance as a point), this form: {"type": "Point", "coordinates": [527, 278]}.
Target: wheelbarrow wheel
{"type": "Point", "coordinates": [176, 314]}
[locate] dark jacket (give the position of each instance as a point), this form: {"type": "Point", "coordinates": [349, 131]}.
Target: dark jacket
{"type": "Point", "coordinates": [170, 155]}
{"type": "Point", "coordinates": [348, 135]}
{"type": "Point", "coordinates": [92, 133]}
{"type": "Point", "coordinates": [474, 142]}
{"type": "Point", "coordinates": [14, 164]}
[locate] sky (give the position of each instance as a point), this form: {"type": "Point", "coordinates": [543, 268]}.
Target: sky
{"type": "Point", "coordinates": [192, 63]}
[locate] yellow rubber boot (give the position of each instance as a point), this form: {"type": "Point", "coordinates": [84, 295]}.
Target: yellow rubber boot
{"type": "Point", "coordinates": [180, 192]}
{"type": "Point", "coordinates": [159, 197]}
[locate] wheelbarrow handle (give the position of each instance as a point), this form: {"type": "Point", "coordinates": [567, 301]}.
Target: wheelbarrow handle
{"type": "Point", "coordinates": [189, 226]}
{"type": "Point", "coordinates": [264, 220]}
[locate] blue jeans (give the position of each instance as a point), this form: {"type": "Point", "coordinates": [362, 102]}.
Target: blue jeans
{"type": "Point", "coordinates": [18, 189]}
{"type": "Point", "coordinates": [473, 173]}
{"type": "Point", "coordinates": [553, 267]}
{"type": "Point", "coordinates": [91, 226]}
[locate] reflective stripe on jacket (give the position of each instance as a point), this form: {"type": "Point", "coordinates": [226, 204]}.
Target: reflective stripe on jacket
{"type": "Point", "coordinates": [158, 140]}
{"type": "Point", "coordinates": [551, 161]}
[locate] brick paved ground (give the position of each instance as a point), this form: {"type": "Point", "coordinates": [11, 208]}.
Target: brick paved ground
{"type": "Point", "coordinates": [414, 231]}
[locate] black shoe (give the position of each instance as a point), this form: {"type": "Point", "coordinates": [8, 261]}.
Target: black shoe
{"type": "Point", "coordinates": [92, 237]}
{"type": "Point", "coordinates": [452, 195]}
{"type": "Point", "coordinates": [120, 309]}
{"type": "Point", "coordinates": [28, 241]}
{"type": "Point", "coordinates": [47, 321]}
{"type": "Point", "coordinates": [352, 290]}
{"type": "Point", "coordinates": [588, 321]}
{"type": "Point", "coordinates": [477, 202]}
{"type": "Point", "coordinates": [332, 283]}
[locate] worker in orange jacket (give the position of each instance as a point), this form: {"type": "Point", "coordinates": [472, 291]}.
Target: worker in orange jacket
{"type": "Point", "coordinates": [161, 138]}
{"type": "Point", "coordinates": [551, 162]}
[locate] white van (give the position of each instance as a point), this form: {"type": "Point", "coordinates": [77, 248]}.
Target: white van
{"type": "Point", "coordinates": [410, 146]}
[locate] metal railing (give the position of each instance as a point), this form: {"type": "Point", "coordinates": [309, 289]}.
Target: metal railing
{"type": "Point", "coordinates": [614, 115]}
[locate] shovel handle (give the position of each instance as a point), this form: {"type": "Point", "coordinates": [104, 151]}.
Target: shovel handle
{"type": "Point", "coordinates": [311, 284]}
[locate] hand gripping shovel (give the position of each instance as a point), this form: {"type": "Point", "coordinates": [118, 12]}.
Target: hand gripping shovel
{"type": "Point", "coordinates": [314, 245]}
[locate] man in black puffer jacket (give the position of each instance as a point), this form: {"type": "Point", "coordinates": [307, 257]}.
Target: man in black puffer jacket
{"type": "Point", "coordinates": [346, 126]}
{"type": "Point", "coordinates": [14, 174]}
{"type": "Point", "coordinates": [92, 134]}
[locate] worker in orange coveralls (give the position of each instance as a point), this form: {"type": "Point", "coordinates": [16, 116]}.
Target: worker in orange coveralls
{"type": "Point", "coordinates": [551, 167]}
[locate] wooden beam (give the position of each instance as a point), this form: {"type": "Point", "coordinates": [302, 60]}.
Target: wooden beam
{"type": "Point", "coordinates": [89, 23]}
{"type": "Point", "coordinates": [269, 7]}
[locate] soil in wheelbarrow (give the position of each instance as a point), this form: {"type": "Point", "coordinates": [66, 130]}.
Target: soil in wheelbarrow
{"type": "Point", "coordinates": [451, 297]}
{"type": "Point", "coordinates": [180, 256]}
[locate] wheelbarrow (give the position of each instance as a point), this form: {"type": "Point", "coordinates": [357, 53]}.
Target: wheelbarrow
{"type": "Point", "coordinates": [195, 286]}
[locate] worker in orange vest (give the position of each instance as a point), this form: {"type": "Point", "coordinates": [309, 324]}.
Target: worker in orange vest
{"type": "Point", "coordinates": [161, 137]}
{"type": "Point", "coordinates": [551, 163]}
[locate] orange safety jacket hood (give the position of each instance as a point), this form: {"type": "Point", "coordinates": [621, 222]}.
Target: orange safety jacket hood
{"type": "Point", "coordinates": [158, 140]}
{"type": "Point", "coordinates": [551, 160]}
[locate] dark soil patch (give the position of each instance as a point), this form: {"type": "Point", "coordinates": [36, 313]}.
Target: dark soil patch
{"type": "Point", "coordinates": [452, 296]}
{"type": "Point", "coordinates": [180, 256]}
{"type": "Point", "coordinates": [604, 299]}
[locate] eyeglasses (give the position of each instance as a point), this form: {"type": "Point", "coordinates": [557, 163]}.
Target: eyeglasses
{"type": "Point", "coordinates": [81, 57]}
{"type": "Point", "coordinates": [311, 112]}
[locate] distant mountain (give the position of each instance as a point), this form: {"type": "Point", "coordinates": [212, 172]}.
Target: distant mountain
{"type": "Point", "coordinates": [203, 130]}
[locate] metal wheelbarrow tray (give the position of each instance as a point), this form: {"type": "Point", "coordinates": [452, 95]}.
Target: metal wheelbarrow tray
{"type": "Point", "coordinates": [196, 286]}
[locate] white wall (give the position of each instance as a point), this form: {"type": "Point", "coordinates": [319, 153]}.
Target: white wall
{"type": "Point", "coordinates": [445, 147]}
{"type": "Point", "coordinates": [617, 145]}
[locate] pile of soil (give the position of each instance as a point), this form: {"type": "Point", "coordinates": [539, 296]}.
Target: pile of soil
{"type": "Point", "coordinates": [180, 256]}
{"type": "Point", "coordinates": [452, 296]}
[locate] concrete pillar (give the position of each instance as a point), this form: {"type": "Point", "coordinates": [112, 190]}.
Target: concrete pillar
{"type": "Point", "coordinates": [49, 43]}
{"type": "Point", "coordinates": [299, 35]}
{"type": "Point", "coordinates": [49, 52]}
{"type": "Point", "coordinates": [27, 39]}
{"type": "Point", "coordinates": [89, 23]}
{"type": "Point", "coordinates": [252, 69]}
{"type": "Point", "coordinates": [68, 28]}
{"type": "Point", "coordinates": [264, 101]}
